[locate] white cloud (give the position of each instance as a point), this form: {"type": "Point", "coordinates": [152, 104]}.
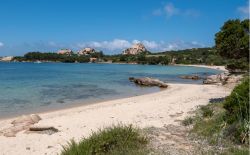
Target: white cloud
{"type": "Point", "coordinates": [1, 44]}
{"type": "Point", "coordinates": [244, 10]}
{"type": "Point", "coordinates": [169, 10]}
{"type": "Point", "coordinates": [110, 45]}
{"type": "Point", "coordinates": [150, 44]}
{"type": "Point", "coordinates": [117, 45]}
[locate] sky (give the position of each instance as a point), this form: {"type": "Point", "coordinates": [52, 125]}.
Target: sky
{"type": "Point", "coordinates": [112, 25]}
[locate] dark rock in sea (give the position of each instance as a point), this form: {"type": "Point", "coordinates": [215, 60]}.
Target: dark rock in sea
{"type": "Point", "coordinates": [192, 77]}
{"type": "Point", "coordinates": [148, 82]}
{"type": "Point", "coordinates": [131, 79]}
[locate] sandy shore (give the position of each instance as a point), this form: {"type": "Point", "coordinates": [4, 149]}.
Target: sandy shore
{"type": "Point", "coordinates": [221, 68]}
{"type": "Point", "coordinates": [157, 109]}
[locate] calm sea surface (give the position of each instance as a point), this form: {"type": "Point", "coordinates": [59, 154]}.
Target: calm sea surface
{"type": "Point", "coordinates": [29, 87]}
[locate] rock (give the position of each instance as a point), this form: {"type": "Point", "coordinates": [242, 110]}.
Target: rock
{"type": "Point", "coordinates": [148, 82]}
{"type": "Point", "coordinates": [35, 118]}
{"type": "Point", "coordinates": [234, 79]}
{"type": "Point", "coordinates": [65, 52]}
{"type": "Point", "coordinates": [135, 49]}
{"type": "Point", "coordinates": [192, 77]}
{"type": "Point", "coordinates": [212, 79]}
{"type": "Point", "coordinates": [27, 119]}
{"type": "Point", "coordinates": [223, 78]}
{"type": "Point", "coordinates": [86, 51]}
{"type": "Point", "coordinates": [43, 130]}
{"type": "Point", "coordinates": [19, 124]}
{"type": "Point", "coordinates": [131, 79]}
{"type": "Point", "coordinates": [10, 134]}
{"type": "Point", "coordinates": [49, 146]}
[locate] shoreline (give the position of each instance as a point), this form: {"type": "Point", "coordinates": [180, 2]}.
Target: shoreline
{"type": "Point", "coordinates": [78, 104]}
{"type": "Point", "coordinates": [156, 109]}
{"type": "Point", "coordinates": [221, 68]}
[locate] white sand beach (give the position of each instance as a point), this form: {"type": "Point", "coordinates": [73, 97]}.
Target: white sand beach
{"type": "Point", "coordinates": [156, 109]}
{"type": "Point", "coordinates": [221, 68]}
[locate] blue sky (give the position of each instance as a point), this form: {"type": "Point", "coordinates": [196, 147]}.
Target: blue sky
{"type": "Point", "coordinates": [113, 25]}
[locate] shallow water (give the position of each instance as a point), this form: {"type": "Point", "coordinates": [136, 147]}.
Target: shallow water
{"type": "Point", "coordinates": [31, 87]}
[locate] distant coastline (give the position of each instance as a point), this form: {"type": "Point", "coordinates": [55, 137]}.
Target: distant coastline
{"type": "Point", "coordinates": [137, 54]}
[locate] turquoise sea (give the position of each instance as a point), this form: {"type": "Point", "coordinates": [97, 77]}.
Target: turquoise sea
{"type": "Point", "coordinates": [30, 87]}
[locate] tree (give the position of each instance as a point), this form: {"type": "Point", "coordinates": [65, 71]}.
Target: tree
{"type": "Point", "coordinates": [232, 41]}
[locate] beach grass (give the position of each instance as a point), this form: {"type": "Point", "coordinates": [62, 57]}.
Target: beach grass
{"type": "Point", "coordinates": [115, 140]}
{"type": "Point", "coordinates": [224, 124]}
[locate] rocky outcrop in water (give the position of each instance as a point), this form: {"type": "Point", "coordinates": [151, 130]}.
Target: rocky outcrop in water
{"type": "Point", "coordinates": [191, 77]}
{"type": "Point", "coordinates": [146, 81]}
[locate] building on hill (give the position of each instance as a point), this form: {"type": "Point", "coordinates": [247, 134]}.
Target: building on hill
{"type": "Point", "coordinates": [86, 51]}
{"type": "Point", "coordinates": [135, 49]}
{"type": "Point", "coordinates": [65, 51]}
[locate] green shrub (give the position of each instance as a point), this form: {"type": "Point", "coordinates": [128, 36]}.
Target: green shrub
{"type": "Point", "coordinates": [241, 64]}
{"type": "Point", "coordinates": [236, 151]}
{"type": "Point", "coordinates": [116, 140]}
{"type": "Point", "coordinates": [206, 111]}
{"type": "Point", "coordinates": [237, 104]}
{"type": "Point", "coordinates": [211, 128]}
{"type": "Point", "coordinates": [237, 113]}
{"type": "Point", "coordinates": [188, 121]}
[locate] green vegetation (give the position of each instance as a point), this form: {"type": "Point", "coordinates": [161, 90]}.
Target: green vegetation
{"type": "Point", "coordinates": [206, 56]}
{"type": "Point", "coordinates": [237, 113]}
{"type": "Point", "coordinates": [225, 124]}
{"type": "Point", "coordinates": [206, 111]}
{"type": "Point", "coordinates": [34, 56]}
{"type": "Point", "coordinates": [116, 140]}
{"type": "Point", "coordinates": [232, 42]}
{"type": "Point", "coordinates": [188, 121]}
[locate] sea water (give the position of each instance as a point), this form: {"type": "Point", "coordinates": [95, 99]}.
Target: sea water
{"type": "Point", "coordinates": [35, 87]}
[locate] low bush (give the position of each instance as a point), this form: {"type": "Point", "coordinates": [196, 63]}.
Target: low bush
{"type": "Point", "coordinates": [207, 111]}
{"type": "Point", "coordinates": [210, 128]}
{"type": "Point", "coordinates": [237, 103]}
{"type": "Point", "coordinates": [241, 64]}
{"type": "Point", "coordinates": [225, 124]}
{"type": "Point", "coordinates": [116, 140]}
{"type": "Point", "coordinates": [237, 113]}
{"type": "Point", "coordinates": [187, 121]}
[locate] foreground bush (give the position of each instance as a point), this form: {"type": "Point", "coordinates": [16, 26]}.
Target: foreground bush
{"type": "Point", "coordinates": [237, 113]}
{"type": "Point", "coordinates": [237, 104]}
{"type": "Point", "coordinates": [116, 140]}
{"type": "Point", "coordinates": [225, 124]}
